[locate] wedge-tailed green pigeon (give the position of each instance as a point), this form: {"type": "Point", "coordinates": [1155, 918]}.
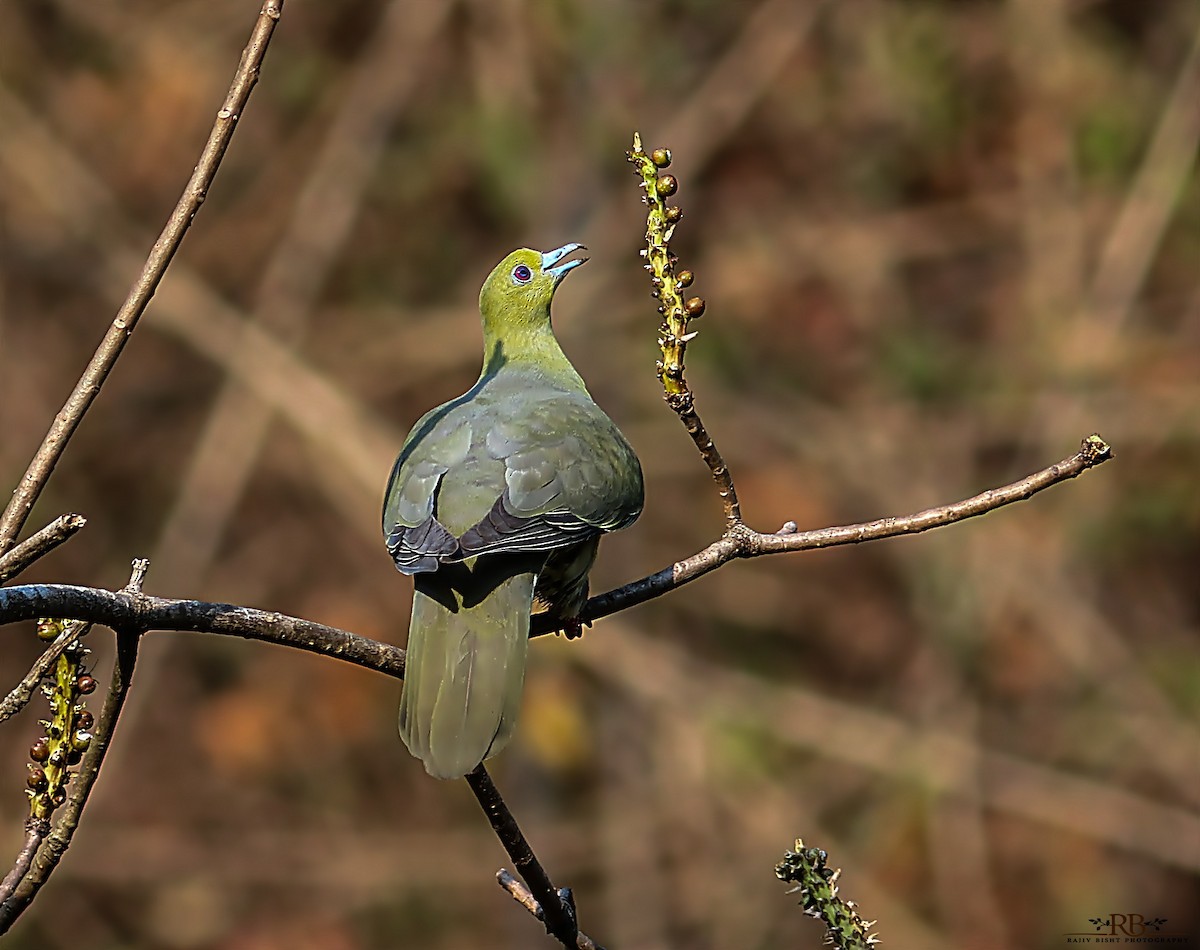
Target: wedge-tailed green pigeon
{"type": "Point", "coordinates": [498, 498]}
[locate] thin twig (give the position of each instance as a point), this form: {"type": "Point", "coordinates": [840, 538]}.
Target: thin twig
{"type": "Point", "coordinates": [744, 542]}
{"type": "Point", "coordinates": [38, 545]}
{"type": "Point", "coordinates": [18, 698]}
{"type": "Point", "coordinates": [523, 896]}
{"type": "Point", "coordinates": [35, 832]}
{"type": "Point", "coordinates": [556, 913]}
{"type": "Point", "coordinates": [105, 357]}
{"type": "Point", "coordinates": [56, 843]}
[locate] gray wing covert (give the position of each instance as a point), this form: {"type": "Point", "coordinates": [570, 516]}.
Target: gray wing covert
{"type": "Point", "coordinates": [569, 475]}
{"type": "Point", "coordinates": [415, 537]}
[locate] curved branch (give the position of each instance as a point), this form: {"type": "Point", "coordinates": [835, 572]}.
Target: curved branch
{"type": "Point", "coordinates": [135, 611]}
{"type": "Point", "coordinates": [105, 357]}
{"type": "Point", "coordinates": [743, 542]}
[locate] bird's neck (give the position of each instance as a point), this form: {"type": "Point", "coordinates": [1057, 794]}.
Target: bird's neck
{"type": "Point", "coordinates": [529, 346]}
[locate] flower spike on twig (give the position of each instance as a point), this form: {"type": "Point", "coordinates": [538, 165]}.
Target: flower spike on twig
{"type": "Point", "coordinates": [673, 335]}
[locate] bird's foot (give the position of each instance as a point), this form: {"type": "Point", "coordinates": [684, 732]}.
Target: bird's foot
{"type": "Point", "coordinates": [572, 627]}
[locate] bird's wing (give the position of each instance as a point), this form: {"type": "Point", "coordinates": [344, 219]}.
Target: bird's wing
{"type": "Point", "coordinates": [416, 538]}
{"type": "Point", "coordinates": [569, 475]}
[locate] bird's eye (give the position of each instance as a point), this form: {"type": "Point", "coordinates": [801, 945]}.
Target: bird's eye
{"type": "Point", "coordinates": [522, 274]}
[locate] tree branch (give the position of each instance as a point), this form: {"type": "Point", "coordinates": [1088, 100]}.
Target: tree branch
{"type": "Point", "coordinates": [38, 545]}
{"type": "Point", "coordinates": [523, 896]}
{"type": "Point", "coordinates": [740, 541]}
{"type": "Point", "coordinates": [105, 357]}
{"type": "Point", "coordinates": [134, 611]}
{"type": "Point", "coordinates": [555, 908]}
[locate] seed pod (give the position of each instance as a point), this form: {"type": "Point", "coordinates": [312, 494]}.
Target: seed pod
{"type": "Point", "coordinates": [86, 720]}
{"type": "Point", "coordinates": [36, 779]}
{"type": "Point", "coordinates": [695, 307]}
{"type": "Point", "coordinates": [661, 157]}
{"type": "Point", "coordinates": [685, 278]}
{"type": "Point", "coordinates": [674, 213]}
{"type": "Point", "coordinates": [40, 750]}
{"type": "Point", "coordinates": [85, 684]}
{"type": "Point", "coordinates": [667, 186]}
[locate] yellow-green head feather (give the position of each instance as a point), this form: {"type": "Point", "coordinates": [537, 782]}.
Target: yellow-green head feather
{"type": "Point", "coordinates": [515, 306]}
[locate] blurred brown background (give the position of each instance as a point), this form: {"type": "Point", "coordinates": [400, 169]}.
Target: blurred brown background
{"type": "Point", "coordinates": [940, 243]}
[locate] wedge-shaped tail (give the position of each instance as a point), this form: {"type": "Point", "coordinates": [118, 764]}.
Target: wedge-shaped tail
{"type": "Point", "coordinates": [464, 672]}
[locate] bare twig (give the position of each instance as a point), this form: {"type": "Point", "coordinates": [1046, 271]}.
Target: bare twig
{"type": "Point", "coordinates": [18, 698]}
{"type": "Point", "coordinates": [743, 542]}
{"type": "Point", "coordinates": [557, 909]}
{"type": "Point", "coordinates": [35, 832]}
{"type": "Point", "coordinates": [38, 545]}
{"type": "Point", "coordinates": [523, 896]}
{"type": "Point", "coordinates": [105, 357]}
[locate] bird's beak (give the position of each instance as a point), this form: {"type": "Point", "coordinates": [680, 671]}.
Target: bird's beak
{"type": "Point", "coordinates": [550, 258]}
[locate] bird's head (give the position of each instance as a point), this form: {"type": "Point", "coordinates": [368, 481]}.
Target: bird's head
{"type": "Point", "coordinates": [520, 287]}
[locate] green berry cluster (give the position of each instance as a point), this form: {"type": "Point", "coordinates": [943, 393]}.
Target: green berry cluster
{"type": "Point", "coordinates": [668, 286]}
{"type": "Point", "coordinates": [68, 732]}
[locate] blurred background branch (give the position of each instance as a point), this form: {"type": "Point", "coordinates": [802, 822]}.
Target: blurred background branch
{"type": "Point", "coordinates": [88, 387]}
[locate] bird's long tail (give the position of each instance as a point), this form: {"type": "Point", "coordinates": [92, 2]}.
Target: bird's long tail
{"type": "Point", "coordinates": [463, 675]}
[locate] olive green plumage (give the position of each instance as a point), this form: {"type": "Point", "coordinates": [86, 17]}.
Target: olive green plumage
{"type": "Point", "coordinates": [498, 497]}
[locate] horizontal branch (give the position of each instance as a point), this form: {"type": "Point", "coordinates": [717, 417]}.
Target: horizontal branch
{"type": "Point", "coordinates": [131, 610]}
{"type": "Point", "coordinates": [137, 612]}
{"type": "Point", "coordinates": [743, 542]}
